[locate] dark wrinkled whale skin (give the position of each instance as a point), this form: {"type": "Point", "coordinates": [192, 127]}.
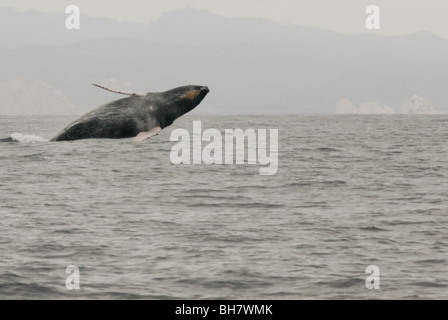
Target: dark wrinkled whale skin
{"type": "Point", "coordinates": [126, 118]}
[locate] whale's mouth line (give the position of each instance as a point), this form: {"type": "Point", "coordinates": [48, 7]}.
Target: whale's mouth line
{"type": "Point", "coordinates": [203, 92]}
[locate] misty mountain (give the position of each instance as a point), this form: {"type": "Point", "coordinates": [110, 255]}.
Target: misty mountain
{"type": "Point", "coordinates": [201, 28]}
{"type": "Point", "coordinates": [17, 96]}
{"type": "Point", "coordinates": [33, 27]}
{"type": "Point", "coordinates": [250, 65]}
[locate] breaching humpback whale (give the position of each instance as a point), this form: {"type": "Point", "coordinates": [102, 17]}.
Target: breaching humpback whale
{"type": "Point", "coordinates": [139, 115]}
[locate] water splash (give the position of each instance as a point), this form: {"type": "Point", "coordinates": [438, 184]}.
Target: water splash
{"type": "Point", "coordinates": [24, 138]}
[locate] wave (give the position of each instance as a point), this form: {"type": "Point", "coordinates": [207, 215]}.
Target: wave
{"type": "Point", "coordinates": [24, 138]}
{"type": "Point", "coordinates": [328, 149]}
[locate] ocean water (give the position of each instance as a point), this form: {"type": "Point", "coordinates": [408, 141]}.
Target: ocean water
{"type": "Point", "coordinates": [350, 191]}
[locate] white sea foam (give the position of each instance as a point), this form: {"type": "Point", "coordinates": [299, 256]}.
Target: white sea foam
{"type": "Point", "coordinates": [27, 138]}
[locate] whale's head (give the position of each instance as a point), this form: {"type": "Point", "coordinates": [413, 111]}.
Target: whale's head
{"type": "Point", "coordinates": [184, 99]}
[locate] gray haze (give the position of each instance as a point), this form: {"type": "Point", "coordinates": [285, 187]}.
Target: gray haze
{"type": "Point", "coordinates": [399, 17]}
{"type": "Point", "coordinates": [250, 65]}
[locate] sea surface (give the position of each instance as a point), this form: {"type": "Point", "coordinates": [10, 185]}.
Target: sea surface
{"type": "Point", "coordinates": [350, 192]}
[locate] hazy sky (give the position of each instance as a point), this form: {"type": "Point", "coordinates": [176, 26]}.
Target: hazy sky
{"type": "Point", "coordinates": [346, 16]}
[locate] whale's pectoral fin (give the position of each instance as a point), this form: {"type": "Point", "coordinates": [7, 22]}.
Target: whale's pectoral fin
{"type": "Point", "coordinates": [120, 92]}
{"type": "Point", "coordinates": [147, 134]}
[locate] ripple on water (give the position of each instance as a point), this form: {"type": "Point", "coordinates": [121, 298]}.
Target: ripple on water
{"type": "Point", "coordinates": [366, 190]}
